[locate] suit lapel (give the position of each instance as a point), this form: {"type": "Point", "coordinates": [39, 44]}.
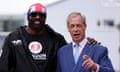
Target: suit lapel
{"type": "Point", "coordinates": [69, 57]}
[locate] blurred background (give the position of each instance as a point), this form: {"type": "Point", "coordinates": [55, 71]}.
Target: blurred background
{"type": "Point", "coordinates": [102, 16]}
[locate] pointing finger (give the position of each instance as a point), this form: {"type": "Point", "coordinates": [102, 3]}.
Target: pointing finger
{"type": "Point", "coordinates": [85, 57]}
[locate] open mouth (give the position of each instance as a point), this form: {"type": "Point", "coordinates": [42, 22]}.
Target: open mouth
{"type": "Point", "coordinates": [37, 22]}
{"type": "Point", "coordinates": [76, 35]}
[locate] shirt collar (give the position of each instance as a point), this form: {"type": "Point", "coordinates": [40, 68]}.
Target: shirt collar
{"type": "Point", "coordinates": [82, 43]}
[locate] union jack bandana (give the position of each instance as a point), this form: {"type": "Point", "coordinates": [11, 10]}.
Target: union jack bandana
{"type": "Point", "coordinates": [37, 7]}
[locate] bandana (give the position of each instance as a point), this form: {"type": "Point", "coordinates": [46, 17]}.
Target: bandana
{"type": "Point", "coordinates": [36, 8]}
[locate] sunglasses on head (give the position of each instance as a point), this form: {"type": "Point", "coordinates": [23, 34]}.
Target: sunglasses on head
{"type": "Point", "coordinates": [34, 14]}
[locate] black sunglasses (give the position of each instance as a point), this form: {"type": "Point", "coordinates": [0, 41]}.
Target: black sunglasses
{"type": "Point", "coordinates": [34, 14]}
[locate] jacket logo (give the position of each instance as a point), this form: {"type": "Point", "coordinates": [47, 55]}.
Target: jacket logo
{"type": "Point", "coordinates": [17, 42]}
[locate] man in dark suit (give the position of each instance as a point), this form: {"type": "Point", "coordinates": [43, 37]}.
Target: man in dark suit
{"type": "Point", "coordinates": [79, 56]}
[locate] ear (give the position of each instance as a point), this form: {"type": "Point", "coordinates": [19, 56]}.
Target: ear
{"type": "Point", "coordinates": [68, 28]}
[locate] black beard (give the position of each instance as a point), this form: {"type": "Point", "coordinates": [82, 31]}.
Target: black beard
{"type": "Point", "coordinates": [36, 28]}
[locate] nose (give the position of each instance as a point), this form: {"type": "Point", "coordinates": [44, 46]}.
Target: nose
{"type": "Point", "coordinates": [37, 16]}
{"type": "Point", "coordinates": [75, 28]}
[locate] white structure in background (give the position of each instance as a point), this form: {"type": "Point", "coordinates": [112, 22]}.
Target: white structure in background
{"type": "Point", "coordinates": [20, 6]}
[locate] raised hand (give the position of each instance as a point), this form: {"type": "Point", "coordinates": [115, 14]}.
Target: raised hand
{"type": "Point", "coordinates": [89, 63]}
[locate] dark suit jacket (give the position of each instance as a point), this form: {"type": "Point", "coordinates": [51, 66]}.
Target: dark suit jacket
{"type": "Point", "coordinates": [98, 53]}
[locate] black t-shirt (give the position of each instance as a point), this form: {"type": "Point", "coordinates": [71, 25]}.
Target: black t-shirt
{"type": "Point", "coordinates": [40, 48]}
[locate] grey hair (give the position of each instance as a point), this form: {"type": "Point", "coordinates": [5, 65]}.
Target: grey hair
{"type": "Point", "coordinates": [74, 14]}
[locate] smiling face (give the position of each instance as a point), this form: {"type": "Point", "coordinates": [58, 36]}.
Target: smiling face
{"type": "Point", "coordinates": [76, 26]}
{"type": "Point", "coordinates": [36, 21]}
